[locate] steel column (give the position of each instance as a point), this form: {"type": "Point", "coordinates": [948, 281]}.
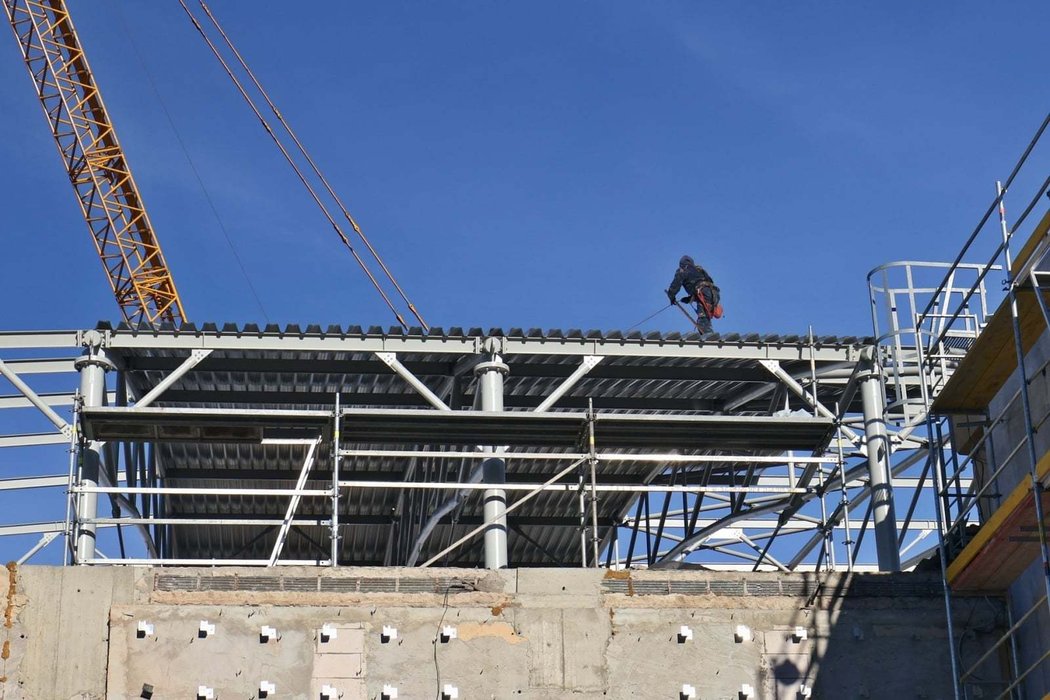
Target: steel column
{"type": "Point", "coordinates": [877, 442]}
{"type": "Point", "coordinates": [337, 419]}
{"type": "Point", "coordinates": [494, 469]}
{"type": "Point", "coordinates": [92, 365]}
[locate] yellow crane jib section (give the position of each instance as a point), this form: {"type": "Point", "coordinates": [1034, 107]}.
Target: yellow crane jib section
{"type": "Point", "coordinates": [109, 199]}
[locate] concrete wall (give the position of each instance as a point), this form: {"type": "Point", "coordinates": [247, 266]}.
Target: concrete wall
{"type": "Point", "coordinates": [536, 634]}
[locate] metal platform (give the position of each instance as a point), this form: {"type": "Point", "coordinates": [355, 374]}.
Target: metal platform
{"type": "Point", "coordinates": [428, 427]}
{"type": "Point", "coordinates": [619, 448]}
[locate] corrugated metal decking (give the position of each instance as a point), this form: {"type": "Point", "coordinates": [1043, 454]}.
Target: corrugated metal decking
{"type": "Point", "coordinates": [651, 393]}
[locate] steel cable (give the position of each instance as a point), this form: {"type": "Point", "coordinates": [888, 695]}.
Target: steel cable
{"type": "Point", "coordinates": [302, 177]}
{"type": "Point", "coordinates": [313, 165]}
{"type": "Point", "coordinates": [653, 315]}
{"type": "Point", "coordinates": [189, 159]}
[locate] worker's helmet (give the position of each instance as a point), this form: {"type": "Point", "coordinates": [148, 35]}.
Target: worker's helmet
{"type": "Point", "coordinates": [686, 260]}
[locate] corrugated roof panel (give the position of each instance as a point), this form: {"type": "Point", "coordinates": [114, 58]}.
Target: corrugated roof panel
{"type": "Point", "coordinates": [291, 378]}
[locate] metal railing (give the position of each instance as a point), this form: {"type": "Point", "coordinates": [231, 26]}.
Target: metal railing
{"type": "Point", "coordinates": [973, 463]}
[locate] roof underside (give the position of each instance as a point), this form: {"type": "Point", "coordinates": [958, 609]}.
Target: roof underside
{"type": "Point", "coordinates": [651, 394]}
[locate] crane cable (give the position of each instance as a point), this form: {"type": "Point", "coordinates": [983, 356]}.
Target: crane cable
{"type": "Point", "coordinates": [295, 167]}
{"type": "Point", "coordinates": [313, 165]}
{"type": "Point", "coordinates": [189, 158]}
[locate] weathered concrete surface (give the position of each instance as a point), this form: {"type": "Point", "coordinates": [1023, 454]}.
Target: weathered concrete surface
{"type": "Point", "coordinates": [12, 631]}
{"type": "Point", "coordinates": [59, 638]}
{"type": "Point", "coordinates": [531, 634]}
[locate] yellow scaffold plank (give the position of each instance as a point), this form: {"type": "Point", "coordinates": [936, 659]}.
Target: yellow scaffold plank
{"type": "Point", "coordinates": [1041, 232]}
{"type": "Point", "coordinates": [1005, 545]}
{"type": "Point", "coordinates": [992, 359]}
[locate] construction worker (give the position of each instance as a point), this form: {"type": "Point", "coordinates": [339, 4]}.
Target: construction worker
{"type": "Point", "coordinates": [701, 290]}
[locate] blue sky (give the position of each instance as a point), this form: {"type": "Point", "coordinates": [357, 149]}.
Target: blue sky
{"type": "Point", "coordinates": [538, 164]}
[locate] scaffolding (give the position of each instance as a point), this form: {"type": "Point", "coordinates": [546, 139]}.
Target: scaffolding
{"type": "Point", "coordinates": [272, 446]}
{"type": "Point", "coordinates": [980, 356]}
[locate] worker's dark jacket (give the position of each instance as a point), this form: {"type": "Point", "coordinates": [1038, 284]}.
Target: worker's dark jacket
{"type": "Point", "coordinates": [688, 278]}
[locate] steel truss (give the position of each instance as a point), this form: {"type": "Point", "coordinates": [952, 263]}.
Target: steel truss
{"type": "Point", "coordinates": [106, 191]}
{"type": "Point", "coordinates": [360, 446]}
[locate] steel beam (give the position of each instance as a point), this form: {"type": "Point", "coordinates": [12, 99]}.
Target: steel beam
{"type": "Point", "coordinates": [32, 528]}
{"type": "Point", "coordinates": [660, 458]}
{"type": "Point", "coordinates": [566, 488]}
{"type": "Point", "coordinates": [33, 440]}
{"type": "Point", "coordinates": [10, 340]}
{"type": "Point", "coordinates": [44, 541]}
{"type": "Point", "coordinates": [792, 526]}
{"type": "Point", "coordinates": [752, 394]}
{"type": "Point", "coordinates": [195, 491]}
{"type": "Point", "coordinates": [43, 366]}
{"type": "Point", "coordinates": [471, 345]}
{"type": "Point", "coordinates": [241, 522]}
{"type": "Point", "coordinates": [49, 399]}
{"type": "Point", "coordinates": [33, 482]}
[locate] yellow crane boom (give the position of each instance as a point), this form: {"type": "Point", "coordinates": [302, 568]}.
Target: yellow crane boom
{"type": "Point", "coordinates": [109, 199]}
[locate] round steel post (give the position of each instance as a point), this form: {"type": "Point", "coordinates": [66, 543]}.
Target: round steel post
{"type": "Point", "coordinates": [92, 365]}
{"type": "Point", "coordinates": [883, 513]}
{"type": "Point", "coordinates": [490, 386]}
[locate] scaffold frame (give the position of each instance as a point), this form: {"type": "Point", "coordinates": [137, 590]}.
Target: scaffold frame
{"type": "Point", "coordinates": [686, 495]}
{"type": "Point", "coordinates": [976, 355]}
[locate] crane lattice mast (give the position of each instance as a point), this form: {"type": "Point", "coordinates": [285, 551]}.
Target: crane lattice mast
{"type": "Point", "coordinates": [109, 199]}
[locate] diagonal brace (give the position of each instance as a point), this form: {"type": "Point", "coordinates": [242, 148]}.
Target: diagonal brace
{"type": "Point", "coordinates": [44, 541]}
{"type": "Point", "coordinates": [391, 361]}
{"type": "Point", "coordinates": [282, 534]}
{"type": "Point", "coordinates": [510, 509]}
{"type": "Point", "coordinates": [35, 399]}
{"type": "Point", "coordinates": [589, 363]}
{"type": "Point", "coordinates": [195, 358]}
{"type": "Point", "coordinates": [777, 371]}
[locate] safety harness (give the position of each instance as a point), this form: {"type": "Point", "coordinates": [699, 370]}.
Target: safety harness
{"type": "Point", "coordinates": [712, 310]}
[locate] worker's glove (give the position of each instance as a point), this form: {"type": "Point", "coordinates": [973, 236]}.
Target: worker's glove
{"type": "Point", "coordinates": [670, 295]}
{"type": "Point", "coordinates": [686, 300]}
